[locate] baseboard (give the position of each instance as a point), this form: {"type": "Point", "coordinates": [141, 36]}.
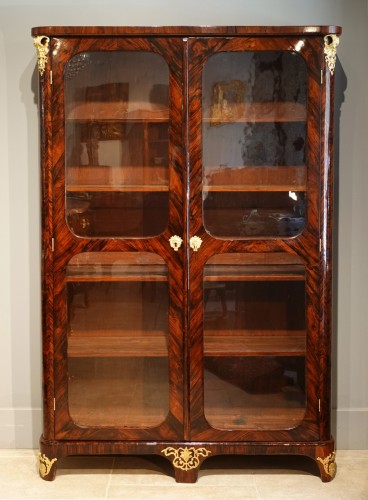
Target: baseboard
{"type": "Point", "coordinates": [20, 427]}
{"type": "Point", "coordinates": [350, 427]}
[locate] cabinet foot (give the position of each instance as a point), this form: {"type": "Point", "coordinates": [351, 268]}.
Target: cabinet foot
{"type": "Point", "coordinates": [186, 476]}
{"type": "Point", "coordinates": [186, 461]}
{"type": "Point", "coordinates": [47, 467]}
{"type": "Point", "coordinates": [327, 467]}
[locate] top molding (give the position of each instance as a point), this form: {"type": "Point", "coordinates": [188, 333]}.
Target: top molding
{"type": "Point", "coordinates": [60, 31]}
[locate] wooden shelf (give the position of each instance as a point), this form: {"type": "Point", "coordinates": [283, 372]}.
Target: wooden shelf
{"type": "Point", "coordinates": [258, 258]}
{"type": "Point", "coordinates": [254, 188]}
{"type": "Point", "coordinates": [249, 344]}
{"type": "Point", "coordinates": [260, 112]}
{"type": "Point", "coordinates": [254, 178]}
{"type": "Point", "coordinates": [240, 113]}
{"type": "Point", "coordinates": [222, 267]}
{"type": "Point", "coordinates": [102, 112]}
{"type": "Point", "coordinates": [87, 178]}
{"type": "Point", "coordinates": [101, 344]}
{"type": "Point", "coordinates": [112, 266]}
{"type": "Point", "coordinates": [106, 275]}
{"type": "Point", "coordinates": [123, 346]}
{"type": "Point", "coordinates": [231, 405]}
{"type": "Point", "coordinates": [249, 272]}
{"type": "Point", "coordinates": [109, 392]}
{"type": "Point", "coordinates": [271, 266]}
{"type": "Point", "coordinates": [114, 416]}
{"type": "Point", "coordinates": [271, 418]}
{"type": "Point", "coordinates": [115, 189]}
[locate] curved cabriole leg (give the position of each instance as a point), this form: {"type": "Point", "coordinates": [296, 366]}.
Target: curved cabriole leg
{"type": "Point", "coordinates": [47, 467]}
{"type": "Point", "coordinates": [186, 461]}
{"type": "Point", "coordinates": [327, 467]}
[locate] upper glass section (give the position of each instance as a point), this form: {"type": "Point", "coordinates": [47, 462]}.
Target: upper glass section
{"type": "Point", "coordinates": [117, 144]}
{"type": "Point", "coordinates": [254, 144]}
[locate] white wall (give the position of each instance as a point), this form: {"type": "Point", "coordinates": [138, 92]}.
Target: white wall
{"type": "Point", "coordinates": [20, 317]}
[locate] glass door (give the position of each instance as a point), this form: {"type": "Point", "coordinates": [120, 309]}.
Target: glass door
{"type": "Point", "coordinates": [117, 144]}
{"type": "Point", "coordinates": [120, 340]}
{"type": "Point", "coordinates": [250, 278]}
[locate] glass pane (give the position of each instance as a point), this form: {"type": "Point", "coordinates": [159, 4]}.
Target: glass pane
{"type": "Point", "coordinates": [254, 341]}
{"type": "Point", "coordinates": [254, 134]}
{"type": "Point", "coordinates": [117, 144]}
{"type": "Point", "coordinates": [117, 307]}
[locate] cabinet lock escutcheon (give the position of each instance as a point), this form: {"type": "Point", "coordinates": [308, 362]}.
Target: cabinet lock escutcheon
{"type": "Point", "coordinates": [195, 243]}
{"type": "Point", "coordinates": [175, 242]}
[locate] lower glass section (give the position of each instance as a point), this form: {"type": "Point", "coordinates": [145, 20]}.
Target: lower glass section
{"type": "Point", "coordinates": [254, 341]}
{"type": "Point", "coordinates": [262, 393]}
{"type": "Point", "coordinates": [117, 306]}
{"type": "Point", "coordinates": [129, 391]}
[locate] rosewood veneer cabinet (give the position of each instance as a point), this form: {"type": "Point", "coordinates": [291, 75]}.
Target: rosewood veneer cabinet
{"type": "Point", "coordinates": [187, 207]}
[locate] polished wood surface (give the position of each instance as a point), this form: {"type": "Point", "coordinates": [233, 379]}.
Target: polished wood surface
{"type": "Point", "coordinates": [302, 259]}
{"type": "Point", "coordinates": [265, 178]}
{"type": "Point", "coordinates": [83, 31]}
{"type": "Point", "coordinates": [247, 344]}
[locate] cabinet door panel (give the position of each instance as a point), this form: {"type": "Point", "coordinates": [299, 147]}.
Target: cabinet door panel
{"type": "Point", "coordinates": [119, 353]}
{"type": "Point", "coordinates": [118, 196]}
{"type": "Point", "coordinates": [254, 201]}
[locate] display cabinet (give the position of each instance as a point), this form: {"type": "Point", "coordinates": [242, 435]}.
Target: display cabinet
{"type": "Point", "coordinates": [187, 207]}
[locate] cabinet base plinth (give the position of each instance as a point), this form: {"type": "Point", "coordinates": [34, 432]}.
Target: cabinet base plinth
{"type": "Point", "coordinates": [185, 457]}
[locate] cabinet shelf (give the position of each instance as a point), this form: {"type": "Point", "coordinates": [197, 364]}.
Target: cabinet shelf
{"type": "Point", "coordinates": [107, 267]}
{"type": "Point", "coordinates": [239, 113]}
{"type": "Point", "coordinates": [280, 343]}
{"type": "Point", "coordinates": [260, 112]}
{"type": "Point", "coordinates": [213, 273]}
{"type": "Point", "coordinates": [111, 416]}
{"type": "Point", "coordinates": [272, 418]}
{"type": "Point", "coordinates": [255, 188]}
{"type": "Point", "coordinates": [255, 178]}
{"type": "Point", "coordinates": [90, 178]}
{"type": "Point", "coordinates": [123, 346]}
{"type": "Point", "coordinates": [254, 273]}
{"type": "Point", "coordinates": [80, 188]}
{"type": "Point", "coordinates": [105, 112]}
{"type": "Point", "coordinates": [101, 344]}
{"type": "Point", "coordinates": [105, 277]}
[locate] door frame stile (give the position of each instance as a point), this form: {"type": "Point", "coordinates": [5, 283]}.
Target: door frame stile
{"type": "Point", "coordinates": [186, 353]}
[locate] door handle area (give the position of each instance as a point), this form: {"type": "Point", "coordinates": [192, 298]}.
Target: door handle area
{"type": "Point", "coordinates": [175, 242]}
{"type": "Point", "coordinates": [195, 243]}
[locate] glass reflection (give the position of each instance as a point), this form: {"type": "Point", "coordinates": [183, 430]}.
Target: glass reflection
{"type": "Point", "coordinates": [254, 144]}
{"type": "Point", "coordinates": [117, 144]}
{"type": "Point", "coordinates": [117, 306]}
{"type": "Point", "coordinates": [254, 341]}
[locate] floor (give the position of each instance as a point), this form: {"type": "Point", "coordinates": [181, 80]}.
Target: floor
{"type": "Point", "coordinates": [151, 478]}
